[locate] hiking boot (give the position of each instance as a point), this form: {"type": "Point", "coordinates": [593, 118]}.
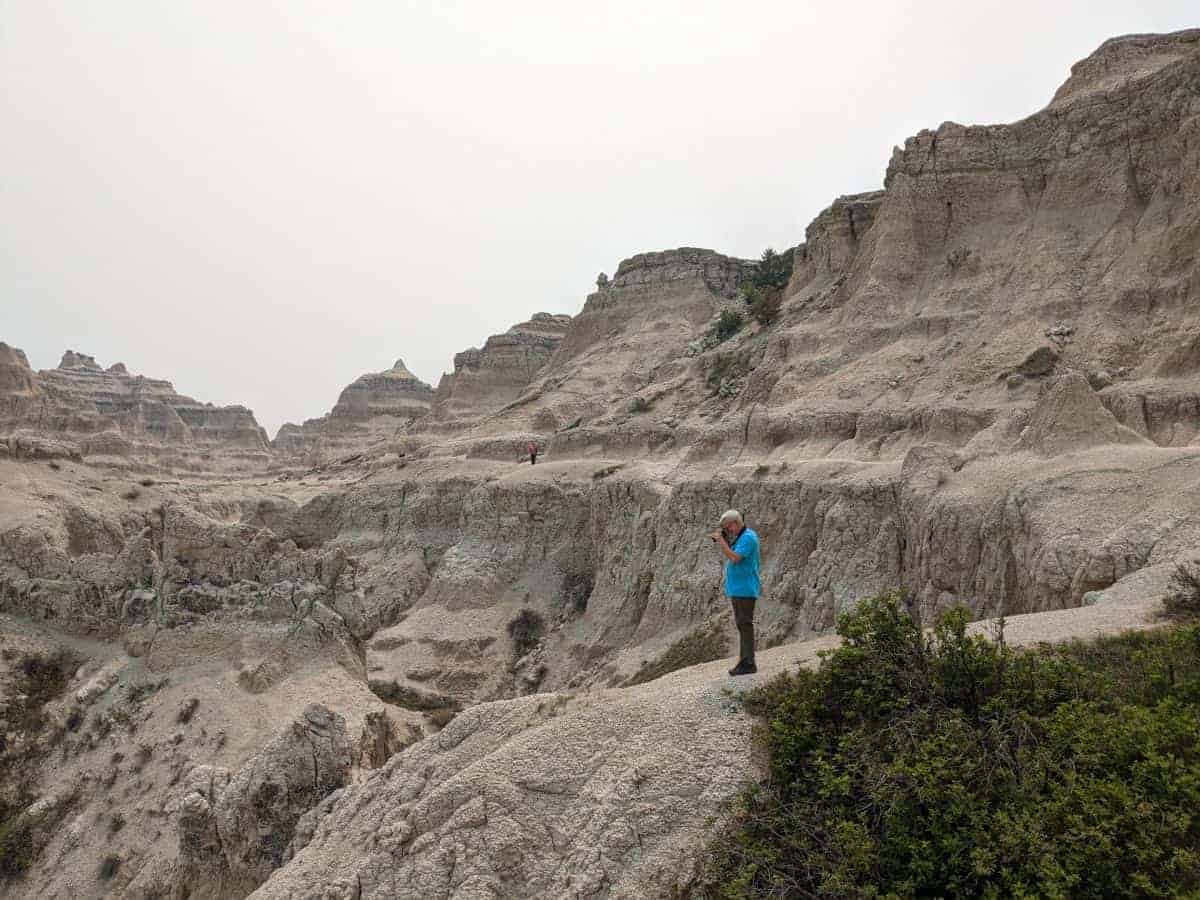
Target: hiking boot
{"type": "Point", "coordinates": [744, 668]}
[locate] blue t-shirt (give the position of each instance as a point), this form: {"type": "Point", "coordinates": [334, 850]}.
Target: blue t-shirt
{"type": "Point", "coordinates": [741, 578]}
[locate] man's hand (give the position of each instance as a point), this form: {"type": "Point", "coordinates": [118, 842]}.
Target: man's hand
{"type": "Point", "coordinates": [717, 535]}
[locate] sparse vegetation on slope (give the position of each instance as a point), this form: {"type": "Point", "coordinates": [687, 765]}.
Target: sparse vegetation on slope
{"type": "Point", "coordinates": [1184, 600]}
{"type": "Point", "coordinates": [949, 765]}
{"type": "Point", "coordinates": [525, 629]}
{"type": "Point", "coordinates": [701, 645]}
{"type": "Point", "coordinates": [25, 735]}
{"type": "Point", "coordinates": [763, 290]}
{"type": "Point", "coordinates": [729, 323]}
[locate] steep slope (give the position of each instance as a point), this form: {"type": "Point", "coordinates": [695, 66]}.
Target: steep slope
{"type": "Point", "coordinates": [996, 256]}
{"type": "Point", "coordinates": [370, 410]}
{"type": "Point", "coordinates": [982, 387]}
{"type": "Point", "coordinates": [487, 379]}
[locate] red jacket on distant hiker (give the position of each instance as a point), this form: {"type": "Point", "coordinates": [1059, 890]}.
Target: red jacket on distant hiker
{"type": "Point", "coordinates": [533, 452]}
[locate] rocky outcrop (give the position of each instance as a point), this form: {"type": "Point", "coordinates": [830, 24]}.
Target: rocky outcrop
{"type": "Point", "coordinates": [487, 379]}
{"type": "Point", "coordinates": [545, 796]}
{"type": "Point", "coordinates": [633, 331]}
{"type": "Point", "coordinates": [16, 378]}
{"type": "Point", "coordinates": [234, 830]}
{"type": "Point", "coordinates": [1167, 413]}
{"type": "Point", "coordinates": [371, 408]}
{"type": "Point", "coordinates": [396, 393]}
{"type": "Point", "coordinates": [112, 413]}
{"type": "Point", "coordinates": [1069, 418]}
{"type": "Point", "coordinates": [832, 239]}
{"type": "Point", "coordinates": [720, 274]}
{"type": "Point", "coordinates": [1124, 61]}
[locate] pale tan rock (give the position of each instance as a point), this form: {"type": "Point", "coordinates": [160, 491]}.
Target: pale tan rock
{"type": "Point", "coordinates": [370, 409]}
{"type": "Point", "coordinates": [112, 413]}
{"type": "Point", "coordinates": [1070, 417]}
{"type": "Point", "coordinates": [870, 434]}
{"type": "Point", "coordinates": [487, 379]}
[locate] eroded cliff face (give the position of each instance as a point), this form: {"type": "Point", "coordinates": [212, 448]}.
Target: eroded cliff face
{"type": "Point", "coordinates": [370, 410]}
{"type": "Point", "coordinates": [486, 380]}
{"type": "Point", "coordinates": [982, 387]}
{"type": "Point", "coordinates": [80, 409]}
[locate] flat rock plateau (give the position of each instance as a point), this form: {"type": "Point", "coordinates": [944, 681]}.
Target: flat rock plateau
{"type": "Point", "coordinates": [383, 656]}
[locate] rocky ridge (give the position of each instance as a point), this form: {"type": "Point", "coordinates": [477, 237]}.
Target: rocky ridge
{"type": "Point", "coordinates": [487, 379]}
{"type": "Point", "coordinates": [981, 386]}
{"type": "Point", "coordinates": [80, 409]}
{"type": "Point", "coordinates": [369, 410]}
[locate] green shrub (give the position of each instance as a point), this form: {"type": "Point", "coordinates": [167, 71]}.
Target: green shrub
{"type": "Point", "coordinates": [764, 304]}
{"type": "Point", "coordinates": [725, 372]}
{"type": "Point", "coordinates": [25, 733]}
{"type": "Point", "coordinates": [577, 589]}
{"type": "Point", "coordinates": [1184, 599]}
{"type": "Point", "coordinates": [109, 866]}
{"type": "Point", "coordinates": [44, 676]}
{"type": "Point", "coordinates": [640, 405]}
{"type": "Point", "coordinates": [16, 839]}
{"type": "Point", "coordinates": [526, 630]}
{"type": "Point", "coordinates": [701, 645]}
{"type": "Point", "coordinates": [774, 270]}
{"type": "Point", "coordinates": [762, 291]}
{"type": "Point", "coordinates": [948, 765]}
{"type": "Point", "coordinates": [728, 324]}
{"type": "Point", "coordinates": [136, 692]}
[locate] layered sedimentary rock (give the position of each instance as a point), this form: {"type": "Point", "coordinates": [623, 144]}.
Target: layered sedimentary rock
{"type": "Point", "coordinates": [981, 387]}
{"type": "Point", "coordinates": [998, 257]}
{"type": "Point", "coordinates": [16, 377]}
{"type": "Point", "coordinates": [487, 379]}
{"type": "Point", "coordinates": [372, 407]}
{"type": "Point", "coordinates": [832, 239]}
{"type": "Point", "coordinates": [397, 393]}
{"type": "Point", "coordinates": [108, 412]}
{"type": "Point", "coordinates": [630, 335]}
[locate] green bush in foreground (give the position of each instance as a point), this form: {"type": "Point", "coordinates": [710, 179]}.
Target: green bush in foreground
{"type": "Point", "coordinates": [948, 765]}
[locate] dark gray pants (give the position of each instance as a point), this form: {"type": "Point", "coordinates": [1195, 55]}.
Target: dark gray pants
{"type": "Point", "coordinates": [743, 617]}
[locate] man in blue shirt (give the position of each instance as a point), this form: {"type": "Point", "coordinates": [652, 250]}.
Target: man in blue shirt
{"type": "Point", "coordinates": [739, 545]}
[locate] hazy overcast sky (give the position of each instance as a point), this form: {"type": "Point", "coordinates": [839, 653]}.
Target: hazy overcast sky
{"type": "Point", "coordinates": [262, 200]}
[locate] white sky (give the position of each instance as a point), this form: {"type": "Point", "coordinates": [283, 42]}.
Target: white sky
{"type": "Point", "coordinates": [262, 199]}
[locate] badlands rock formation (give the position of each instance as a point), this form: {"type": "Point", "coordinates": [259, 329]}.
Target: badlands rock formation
{"type": "Point", "coordinates": [983, 386]}
{"type": "Point", "coordinates": [486, 380]}
{"type": "Point", "coordinates": [80, 409]}
{"type": "Point", "coordinates": [369, 410]}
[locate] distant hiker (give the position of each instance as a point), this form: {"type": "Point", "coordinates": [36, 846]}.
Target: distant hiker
{"type": "Point", "coordinates": [533, 452]}
{"type": "Point", "coordinates": [739, 545]}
